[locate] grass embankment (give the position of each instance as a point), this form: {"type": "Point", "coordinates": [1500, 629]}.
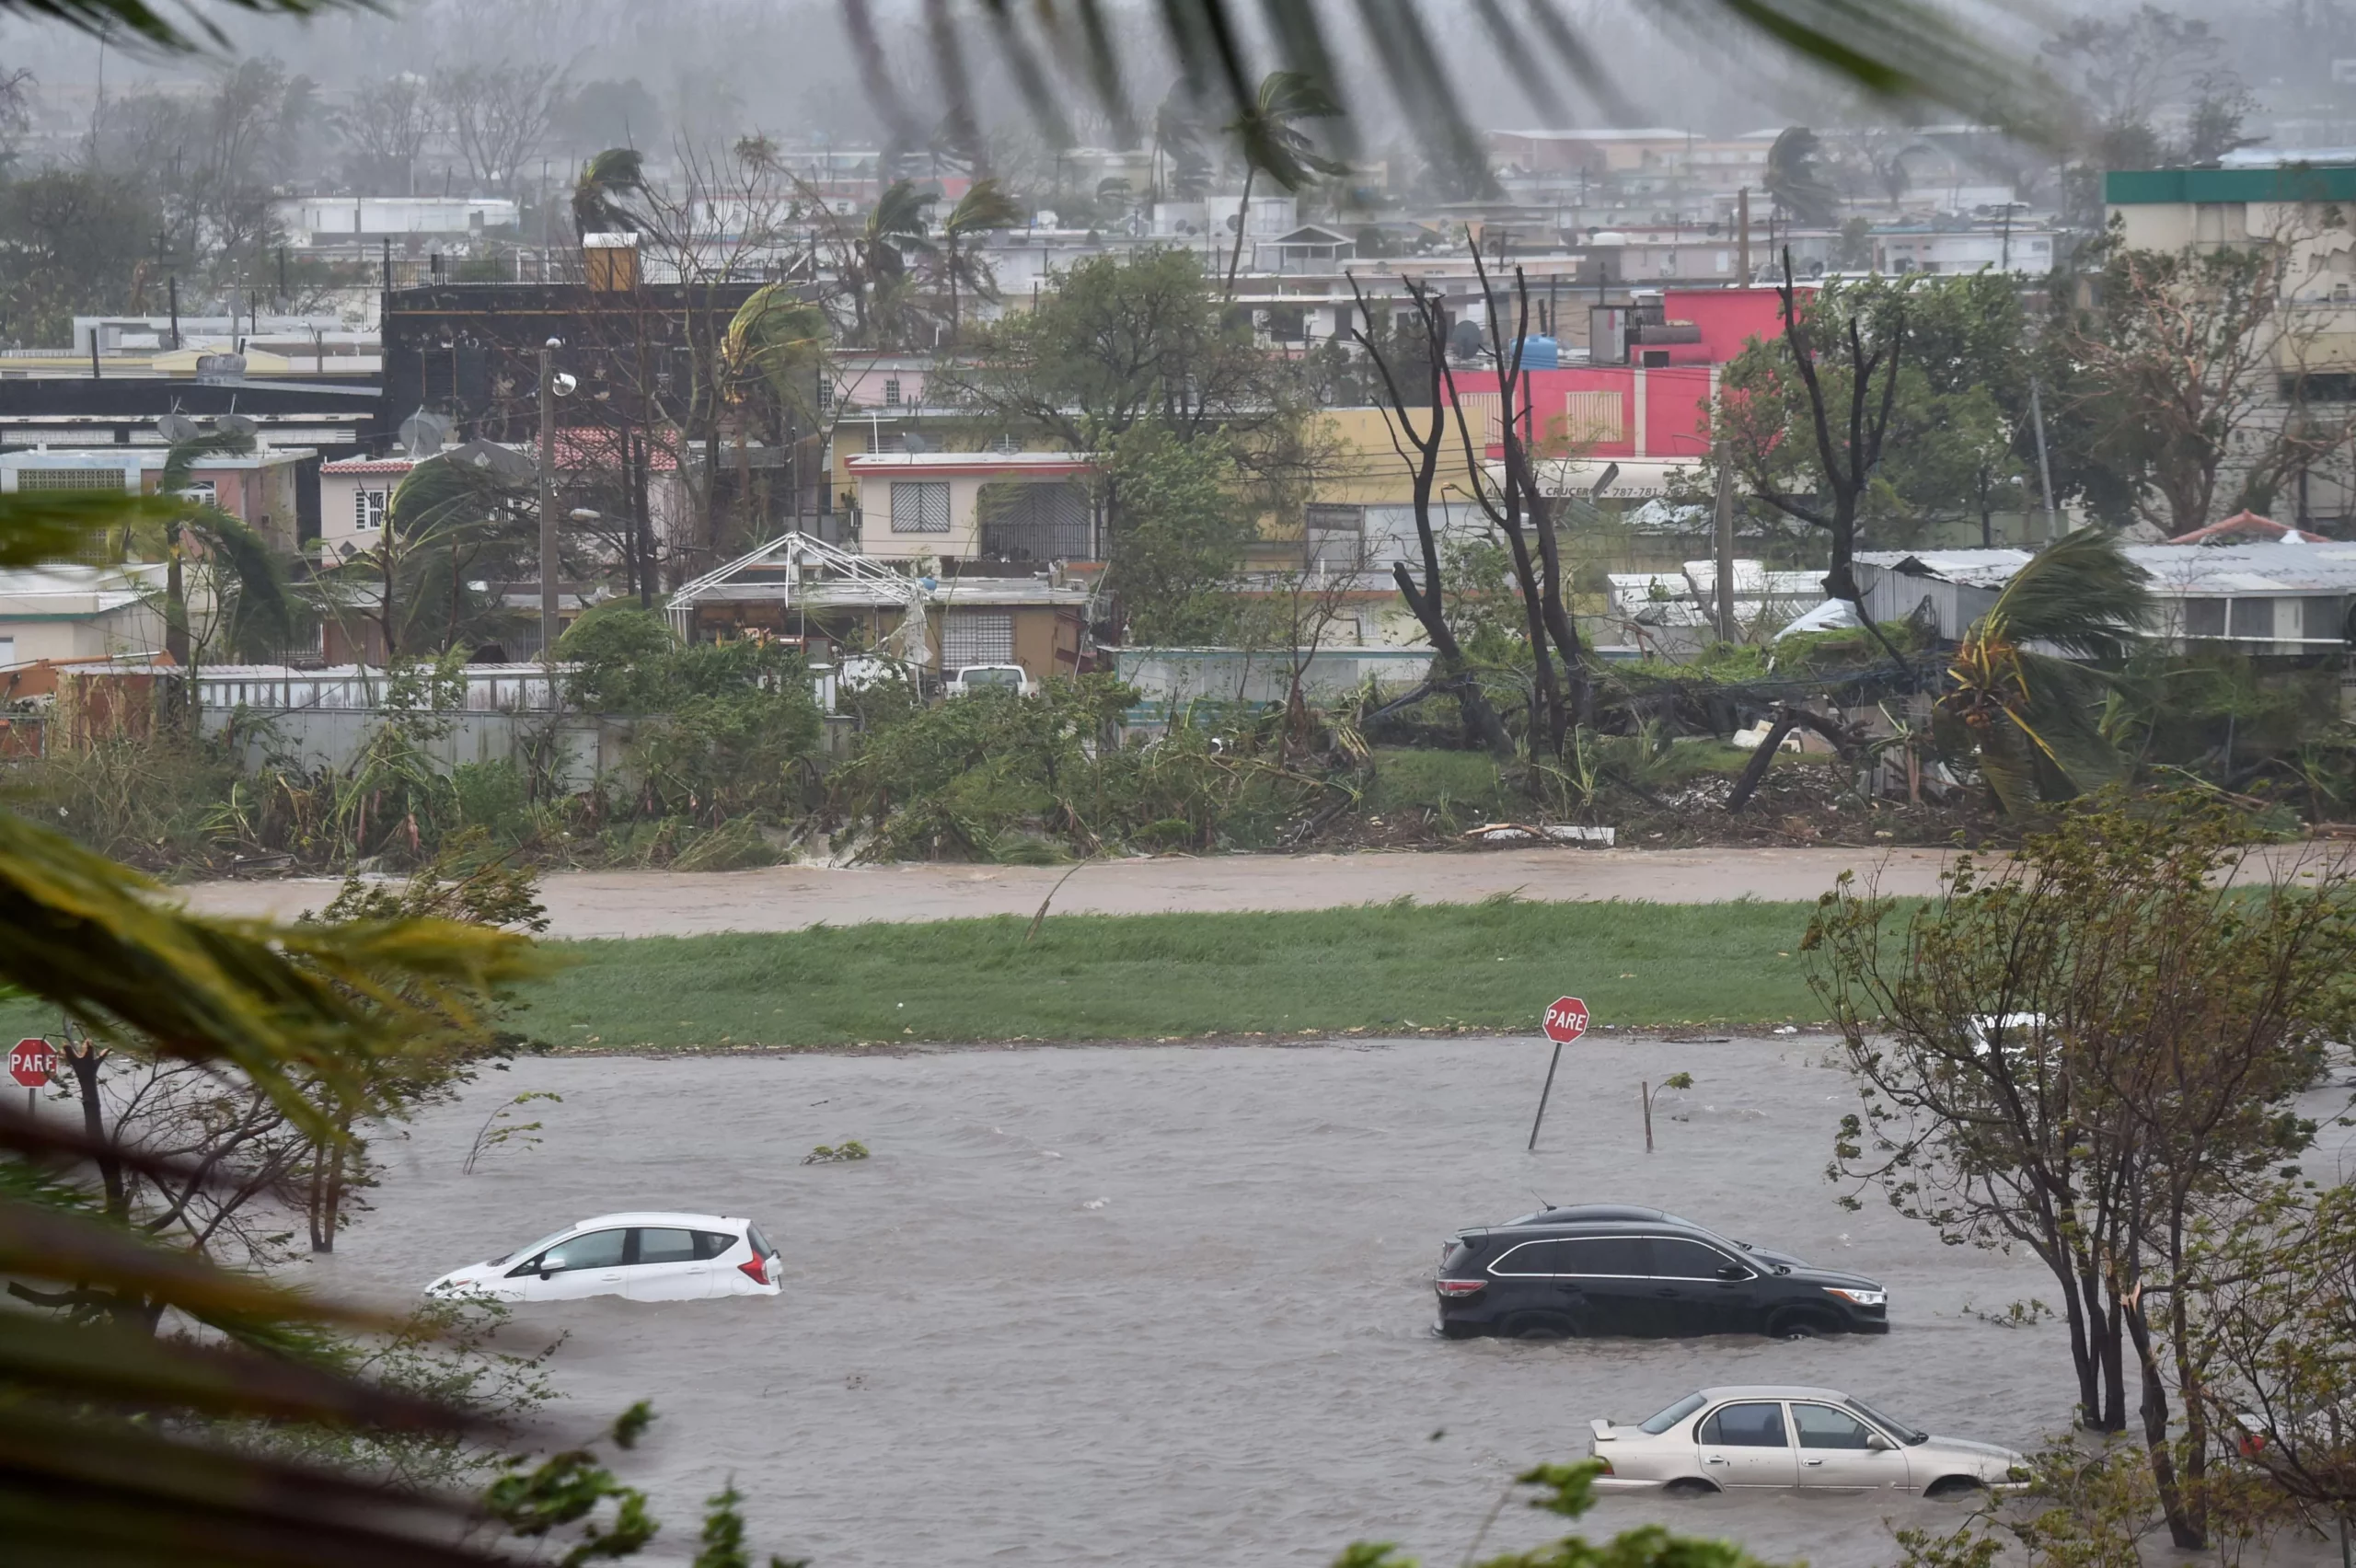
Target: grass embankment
{"type": "Point", "coordinates": [1384, 970]}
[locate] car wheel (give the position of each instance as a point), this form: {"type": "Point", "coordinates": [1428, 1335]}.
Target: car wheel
{"type": "Point", "coordinates": [1690, 1486]}
{"type": "Point", "coordinates": [1797, 1326]}
{"type": "Point", "coordinates": [1539, 1326]}
{"type": "Point", "coordinates": [1951, 1487]}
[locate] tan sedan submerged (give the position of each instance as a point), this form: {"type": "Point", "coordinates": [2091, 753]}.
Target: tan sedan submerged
{"type": "Point", "coordinates": [1813, 1440]}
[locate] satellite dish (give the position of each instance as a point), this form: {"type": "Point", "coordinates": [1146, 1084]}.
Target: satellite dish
{"type": "Point", "coordinates": [236, 424]}
{"type": "Point", "coordinates": [176, 428]}
{"type": "Point", "coordinates": [914, 444]}
{"type": "Point", "coordinates": [423, 433]}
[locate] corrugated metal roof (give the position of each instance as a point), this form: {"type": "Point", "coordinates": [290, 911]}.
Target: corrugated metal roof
{"type": "Point", "coordinates": [1975, 569]}
{"type": "Point", "coordinates": [2176, 572]}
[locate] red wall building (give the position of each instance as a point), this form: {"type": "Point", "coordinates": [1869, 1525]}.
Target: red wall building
{"type": "Point", "coordinates": [1647, 416]}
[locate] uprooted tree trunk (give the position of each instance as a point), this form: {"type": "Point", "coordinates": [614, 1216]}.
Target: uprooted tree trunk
{"type": "Point", "coordinates": [1846, 740]}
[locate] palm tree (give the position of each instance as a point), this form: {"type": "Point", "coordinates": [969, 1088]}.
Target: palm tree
{"type": "Point", "coordinates": [1792, 182]}
{"type": "Point", "coordinates": [984, 207]}
{"type": "Point", "coordinates": [776, 340]}
{"type": "Point", "coordinates": [2032, 717]}
{"type": "Point", "coordinates": [249, 590]}
{"type": "Point", "coordinates": [876, 269]}
{"type": "Point", "coordinates": [1270, 141]}
{"type": "Point", "coordinates": [1178, 147]}
{"type": "Point", "coordinates": [598, 205]}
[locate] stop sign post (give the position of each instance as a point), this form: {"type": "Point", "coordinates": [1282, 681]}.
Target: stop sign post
{"type": "Point", "coordinates": [1565, 1021]}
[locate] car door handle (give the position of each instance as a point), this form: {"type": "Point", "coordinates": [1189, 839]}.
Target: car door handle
{"type": "Point", "coordinates": [1669, 1294]}
{"type": "Point", "coordinates": [1811, 1461]}
{"type": "Point", "coordinates": [1713, 1458]}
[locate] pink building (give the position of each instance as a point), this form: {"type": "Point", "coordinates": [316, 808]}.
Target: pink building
{"type": "Point", "coordinates": [1650, 415]}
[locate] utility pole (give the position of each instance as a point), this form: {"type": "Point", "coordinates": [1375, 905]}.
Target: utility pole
{"type": "Point", "coordinates": [2044, 468]}
{"type": "Point", "coordinates": [549, 563]}
{"type": "Point", "coordinates": [1742, 232]}
{"type": "Point", "coordinates": [1726, 542]}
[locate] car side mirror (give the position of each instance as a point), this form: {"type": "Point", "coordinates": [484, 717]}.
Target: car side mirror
{"type": "Point", "coordinates": [1732, 1271]}
{"type": "Point", "coordinates": [1878, 1443]}
{"type": "Point", "coordinates": [548, 1274]}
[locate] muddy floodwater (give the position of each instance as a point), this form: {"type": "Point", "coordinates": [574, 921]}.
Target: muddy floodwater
{"type": "Point", "coordinates": [1173, 1305]}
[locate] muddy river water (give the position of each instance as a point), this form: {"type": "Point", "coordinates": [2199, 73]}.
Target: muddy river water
{"type": "Point", "coordinates": [1171, 1305]}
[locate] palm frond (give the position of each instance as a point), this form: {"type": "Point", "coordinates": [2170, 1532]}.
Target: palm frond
{"type": "Point", "coordinates": [89, 936]}
{"type": "Point", "coordinates": [1893, 49]}
{"type": "Point", "coordinates": [987, 205]}
{"type": "Point", "coordinates": [1268, 138]}
{"type": "Point", "coordinates": [598, 193]}
{"type": "Point", "coordinates": [2079, 594]}
{"type": "Point", "coordinates": [37, 526]}
{"type": "Point", "coordinates": [186, 31]}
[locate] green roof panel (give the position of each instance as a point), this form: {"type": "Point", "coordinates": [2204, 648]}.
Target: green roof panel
{"type": "Point", "coordinates": [2294, 182]}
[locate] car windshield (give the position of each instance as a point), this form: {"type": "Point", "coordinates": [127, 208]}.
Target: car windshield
{"type": "Point", "coordinates": [1898, 1429]}
{"type": "Point", "coordinates": [992, 677]}
{"type": "Point", "coordinates": [525, 1251]}
{"type": "Point", "coordinates": [1673, 1414]}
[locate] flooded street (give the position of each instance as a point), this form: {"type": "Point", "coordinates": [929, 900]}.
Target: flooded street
{"type": "Point", "coordinates": [1173, 1305]}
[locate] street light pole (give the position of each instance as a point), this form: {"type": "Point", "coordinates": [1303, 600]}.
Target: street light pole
{"type": "Point", "coordinates": [549, 564]}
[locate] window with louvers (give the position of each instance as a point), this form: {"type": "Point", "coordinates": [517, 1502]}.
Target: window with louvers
{"type": "Point", "coordinates": [919, 507]}
{"type": "Point", "coordinates": [976, 637]}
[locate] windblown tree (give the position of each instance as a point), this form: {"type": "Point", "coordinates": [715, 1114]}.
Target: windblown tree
{"type": "Point", "coordinates": [1957, 439]}
{"type": "Point", "coordinates": [2031, 719]}
{"type": "Point", "coordinates": [1834, 374]}
{"type": "Point", "coordinates": [2090, 1051]}
{"type": "Point", "coordinates": [1120, 341]}
{"type": "Point", "coordinates": [1269, 138]}
{"type": "Point", "coordinates": [2182, 358]}
{"type": "Point", "coordinates": [252, 610]}
{"type": "Point", "coordinates": [454, 533]}
{"type": "Point", "coordinates": [956, 258]}
{"type": "Point", "coordinates": [602, 193]}
{"type": "Point", "coordinates": [874, 265]}
{"type": "Point", "coordinates": [1799, 189]}
{"type": "Point", "coordinates": [1181, 168]}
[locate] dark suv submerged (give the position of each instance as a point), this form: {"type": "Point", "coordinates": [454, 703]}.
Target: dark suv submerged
{"type": "Point", "coordinates": [1610, 1269]}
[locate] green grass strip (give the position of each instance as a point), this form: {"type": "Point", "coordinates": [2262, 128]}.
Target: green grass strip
{"type": "Point", "coordinates": [1395, 968]}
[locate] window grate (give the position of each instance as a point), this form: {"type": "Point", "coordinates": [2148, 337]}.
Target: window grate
{"type": "Point", "coordinates": [69, 479]}
{"type": "Point", "coordinates": [920, 507]}
{"type": "Point", "coordinates": [976, 637]}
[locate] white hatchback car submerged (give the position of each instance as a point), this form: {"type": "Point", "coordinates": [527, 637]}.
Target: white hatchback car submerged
{"type": "Point", "coordinates": [1813, 1440]}
{"type": "Point", "coordinates": [644, 1257]}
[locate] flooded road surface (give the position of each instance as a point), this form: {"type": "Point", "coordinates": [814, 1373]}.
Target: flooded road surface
{"type": "Point", "coordinates": [789, 898]}
{"type": "Point", "coordinates": [1171, 1305]}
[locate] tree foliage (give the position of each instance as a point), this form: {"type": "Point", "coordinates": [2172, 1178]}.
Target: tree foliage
{"type": "Point", "coordinates": [1178, 532]}
{"type": "Point", "coordinates": [2093, 1051]}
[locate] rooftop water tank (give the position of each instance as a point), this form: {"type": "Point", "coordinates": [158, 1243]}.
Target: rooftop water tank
{"type": "Point", "coordinates": [1540, 353]}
